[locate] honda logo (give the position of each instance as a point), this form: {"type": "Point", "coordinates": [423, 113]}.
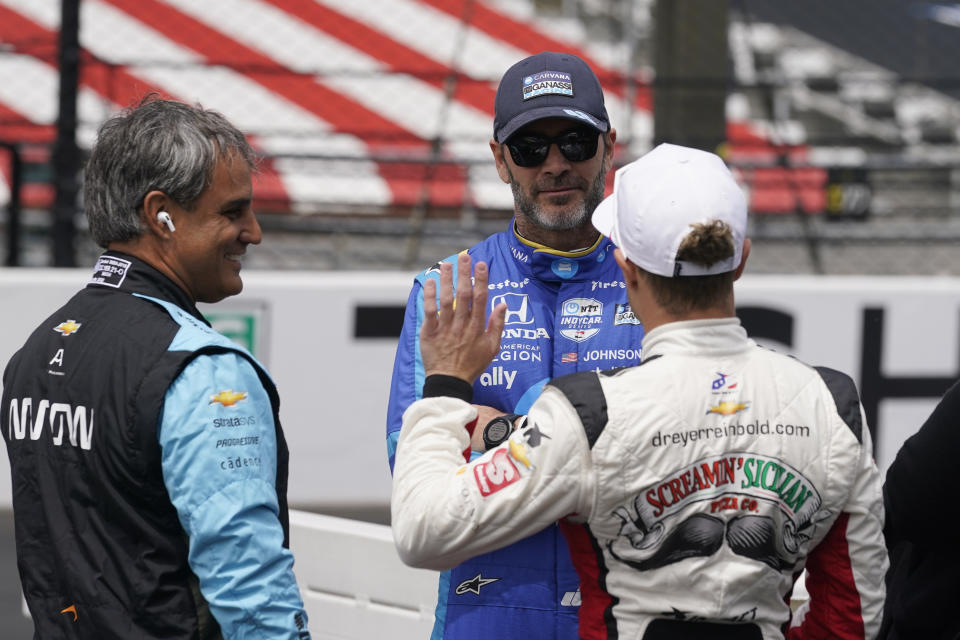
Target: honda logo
{"type": "Point", "coordinates": [518, 307]}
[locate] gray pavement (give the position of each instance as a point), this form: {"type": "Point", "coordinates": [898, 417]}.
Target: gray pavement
{"type": "Point", "coordinates": [15, 626]}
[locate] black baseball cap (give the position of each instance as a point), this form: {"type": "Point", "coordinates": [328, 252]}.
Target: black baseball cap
{"type": "Point", "coordinates": [548, 85]}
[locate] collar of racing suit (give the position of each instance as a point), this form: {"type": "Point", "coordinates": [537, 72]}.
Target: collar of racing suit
{"type": "Point", "coordinates": [712, 337]}
{"type": "Point", "coordinates": [550, 265]}
{"type": "Point", "coordinates": [132, 275]}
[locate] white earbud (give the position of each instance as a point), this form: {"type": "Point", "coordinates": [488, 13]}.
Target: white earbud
{"type": "Point", "coordinates": [165, 218]}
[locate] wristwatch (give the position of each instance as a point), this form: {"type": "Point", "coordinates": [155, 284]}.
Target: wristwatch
{"type": "Point", "coordinates": [498, 430]}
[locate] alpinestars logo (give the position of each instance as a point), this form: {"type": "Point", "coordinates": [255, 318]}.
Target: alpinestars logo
{"type": "Point", "coordinates": [474, 584]}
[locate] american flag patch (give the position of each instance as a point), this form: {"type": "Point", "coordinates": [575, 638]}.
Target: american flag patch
{"type": "Point", "coordinates": [568, 357]}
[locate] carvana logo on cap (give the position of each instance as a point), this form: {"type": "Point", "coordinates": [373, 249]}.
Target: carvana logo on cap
{"type": "Point", "coordinates": [547, 82]}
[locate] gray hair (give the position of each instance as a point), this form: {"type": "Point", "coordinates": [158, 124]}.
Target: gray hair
{"type": "Point", "coordinates": [160, 145]}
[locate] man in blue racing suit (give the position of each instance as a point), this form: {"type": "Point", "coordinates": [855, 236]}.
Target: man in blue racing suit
{"type": "Point", "coordinates": [567, 312]}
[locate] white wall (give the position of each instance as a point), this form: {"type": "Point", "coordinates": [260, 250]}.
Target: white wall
{"type": "Point", "coordinates": [334, 388]}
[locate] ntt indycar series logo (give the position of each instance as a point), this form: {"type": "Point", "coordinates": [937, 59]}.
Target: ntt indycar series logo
{"type": "Point", "coordinates": [580, 318]}
{"type": "Point", "coordinates": [547, 82]}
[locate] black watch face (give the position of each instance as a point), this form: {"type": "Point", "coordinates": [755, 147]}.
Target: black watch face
{"type": "Point", "coordinates": [497, 431]}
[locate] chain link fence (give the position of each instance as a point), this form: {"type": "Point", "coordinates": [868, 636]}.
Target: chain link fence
{"type": "Point", "coordinates": [373, 118]}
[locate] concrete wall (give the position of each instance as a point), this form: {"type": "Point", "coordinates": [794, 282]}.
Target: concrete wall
{"type": "Point", "coordinates": [894, 336]}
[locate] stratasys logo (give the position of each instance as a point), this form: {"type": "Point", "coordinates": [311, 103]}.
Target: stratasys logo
{"type": "Point", "coordinates": [228, 398]}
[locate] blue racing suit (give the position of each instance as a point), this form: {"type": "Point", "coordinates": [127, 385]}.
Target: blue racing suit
{"type": "Point", "coordinates": [566, 312]}
{"type": "Point", "coordinates": [219, 461]}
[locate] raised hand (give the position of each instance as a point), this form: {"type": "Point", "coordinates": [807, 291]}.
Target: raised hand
{"type": "Point", "coordinates": [456, 339]}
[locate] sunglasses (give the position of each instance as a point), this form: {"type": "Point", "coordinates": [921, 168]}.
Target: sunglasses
{"type": "Point", "coordinates": [530, 150]}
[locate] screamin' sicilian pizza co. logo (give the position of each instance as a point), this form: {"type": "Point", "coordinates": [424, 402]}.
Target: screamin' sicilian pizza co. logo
{"type": "Point", "coordinates": [761, 506]}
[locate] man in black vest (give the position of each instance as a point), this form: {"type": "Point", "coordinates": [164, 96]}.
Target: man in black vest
{"type": "Point", "coordinates": [149, 466]}
{"type": "Point", "coordinates": [922, 583]}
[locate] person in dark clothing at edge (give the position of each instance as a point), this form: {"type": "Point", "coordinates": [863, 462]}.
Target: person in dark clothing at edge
{"type": "Point", "coordinates": [922, 584]}
{"type": "Point", "coordinates": [149, 466]}
{"type": "Point", "coordinates": [567, 311]}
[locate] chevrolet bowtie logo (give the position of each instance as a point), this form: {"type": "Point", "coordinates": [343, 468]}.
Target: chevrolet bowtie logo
{"type": "Point", "coordinates": [228, 398]}
{"type": "Point", "coordinates": [518, 453]}
{"type": "Point", "coordinates": [727, 408]}
{"type": "Point", "coordinates": [68, 327]}
{"type": "Point", "coordinates": [473, 585]}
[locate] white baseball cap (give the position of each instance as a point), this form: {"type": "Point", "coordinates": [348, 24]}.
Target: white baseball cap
{"type": "Point", "coordinates": [657, 197]}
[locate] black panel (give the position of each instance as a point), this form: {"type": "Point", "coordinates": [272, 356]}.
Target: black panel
{"type": "Point", "coordinates": [663, 629]}
{"type": "Point", "coordinates": [438, 385]}
{"type": "Point", "coordinates": [584, 392]}
{"type": "Point", "coordinates": [844, 393]}
{"type": "Point", "coordinates": [378, 321]}
{"type": "Point", "coordinates": [767, 323]}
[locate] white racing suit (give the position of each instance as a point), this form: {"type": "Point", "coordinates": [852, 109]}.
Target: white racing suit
{"type": "Point", "coordinates": [693, 489]}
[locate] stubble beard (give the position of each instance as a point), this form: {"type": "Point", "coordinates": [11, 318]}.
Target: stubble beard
{"type": "Point", "coordinates": [564, 218]}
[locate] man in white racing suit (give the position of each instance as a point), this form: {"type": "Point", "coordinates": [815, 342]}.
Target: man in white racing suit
{"type": "Point", "coordinates": [695, 487]}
